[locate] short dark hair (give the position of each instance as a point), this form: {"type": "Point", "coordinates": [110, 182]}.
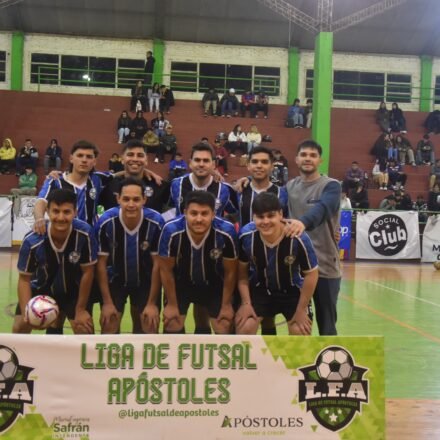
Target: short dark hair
{"type": "Point", "coordinates": [266, 202]}
{"type": "Point", "coordinates": [261, 149]}
{"type": "Point", "coordinates": [128, 181]}
{"type": "Point", "coordinates": [201, 198]}
{"type": "Point", "coordinates": [309, 143]}
{"type": "Point", "coordinates": [60, 196]}
{"type": "Point", "coordinates": [133, 143]}
{"type": "Point", "coordinates": [85, 145]}
{"type": "Point", "coordinates": [201, 146]}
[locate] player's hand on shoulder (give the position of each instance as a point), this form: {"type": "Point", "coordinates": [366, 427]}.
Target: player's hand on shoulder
{"type": "Point", "coordinates": [39, 226]}
{"type": "Point", "coordinates": [241, 184]}
{"type": "Point", "coordinates": [54, 174]}
{"type": "Point", "coordinates": [293, 228]}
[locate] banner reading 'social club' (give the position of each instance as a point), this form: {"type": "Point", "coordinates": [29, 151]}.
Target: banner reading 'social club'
{"type": "Point", "coordinates": [225, 387]}
{"type": "Point", "coordinates": [387, 235]}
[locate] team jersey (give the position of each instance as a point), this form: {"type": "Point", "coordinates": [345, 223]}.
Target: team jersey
{"type": "Point", "coordinates": [225, 199]}
{"type": "Point", "coordinates": [129, 251]}
{"type": "Point", "coordinates": [276, 266]}
{"type": "Point", "coordinates": [246, 197]}
{"type": "Point", "coordinates": [54, 271]}
{"type": "Point", "coordinates": [87, 194]}
{"type": "Point", "coordinates": [202, 264]}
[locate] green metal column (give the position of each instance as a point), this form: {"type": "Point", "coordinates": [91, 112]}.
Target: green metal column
{"type": "Point", "coordinates": [425, 83]}
{"type": "Point", "coordinates": [292, 85]}
{"type": "Point", "coordinates": [17, 51]}
{"type": "Point", "coordinates": [322, 95]}
{"type": "Point", "coordinates": [159, 55]}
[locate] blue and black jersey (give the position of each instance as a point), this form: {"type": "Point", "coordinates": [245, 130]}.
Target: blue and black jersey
{"type": "Point", "coordinates": [129, 251]}
{"type": "Point", "coordinates": [57, 272]}
{"type": "Point", "coordinates": [198, 264]}
{"type": "Point", "coordinates": [280, 266]}
{"type": "Point", "coordinates": [246, 197]}
{"type": "Point", "coordinates": [87, 194]}
{"type": "Point", "coordinates": [225, 198]}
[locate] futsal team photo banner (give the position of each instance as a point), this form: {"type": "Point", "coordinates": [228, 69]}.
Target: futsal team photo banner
{"type": "Point", "coordinates": [431, 240]}
{"type": "Point", "coordinates": [391, 235]}
{"type": "Point", "coordinates": [190, 387]}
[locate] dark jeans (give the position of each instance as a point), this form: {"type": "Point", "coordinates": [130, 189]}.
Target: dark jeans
{"type": "Point", "coordinates": [397, 178]}
{"type": "Point", "coordinates": [233, 146]}
{"type": "Point", "coordinates": [250, 108]}
{"type": "Point", "coordinates": [5, 165]}
{"type": "Point", "coordinates": [22, 162]}
{"type": "Point", "coordinates": [398, 124]}
{"type": "Point", "coordinates": [262, 108]}
{"type": "Point", "coordinates": [165, 149]}
{"type": "Point", "coordinates": [325, 299]}
{"type": "Point", "coordinates": [229, 107]}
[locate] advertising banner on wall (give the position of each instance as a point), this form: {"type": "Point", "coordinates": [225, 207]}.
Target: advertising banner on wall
{"type": "Point", "coordinates": [5, 222]}
{"type": "Point", "coordinates": [391, 235]}
{"type": "Point", "coordinates": [23, 217]}
{"type": "Point", "coordinates": [431, 240]}
{"type": "Point", "coordinates": [225, 387]}
{"type": "Point", "coordinates": [345, 231]}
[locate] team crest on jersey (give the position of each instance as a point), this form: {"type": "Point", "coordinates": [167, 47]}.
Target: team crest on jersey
{"type": "Point", "coordinates": [92, 193]}
{"type": "Point", "coordinates": [215, 253]}
{"type": "Point", "coordinates": [218, 203]}
{"type": "Point", "coordinates": [74, 257]}
{"type": "Point", "coordinates": [144, 245]}
{"type": "Point", "coordinates": [289, 260]}
{"type": "Point", "coordinates": [148, 191]}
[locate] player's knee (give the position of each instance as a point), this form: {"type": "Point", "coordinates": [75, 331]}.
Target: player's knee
{"type": "Point", "coordinates": [222, 327]}
{"type": "Point", "coordinates": [248, 327]}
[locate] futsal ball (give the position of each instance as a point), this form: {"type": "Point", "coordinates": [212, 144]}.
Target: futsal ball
{"type": "Point", "coordinates": [41, 311]}
{"type": "Point", "coordinates": [334, 364]}
{"type": "Point", "coordinates": [8, 363]}
{"type": "Point", "coordinates": [437, 265]}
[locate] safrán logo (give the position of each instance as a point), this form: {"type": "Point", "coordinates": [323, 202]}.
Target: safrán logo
{"type": "Point", "coordinates": [16, 389]}
{"type": "Point", "coordinates": [333, 388]}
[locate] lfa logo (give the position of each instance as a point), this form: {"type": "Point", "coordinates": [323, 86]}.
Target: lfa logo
{"type": "Point", "coordinates": [15, 388]}
{"type": "Point", "coordinates": [388, 235]}
{"type": "Point", "coordinates": [333, 388]}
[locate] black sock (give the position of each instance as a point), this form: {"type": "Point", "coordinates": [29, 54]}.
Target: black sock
{"type": "Point", "coordinates": [202, 331]}
{"type": "Point", "coordinates": [269, 331]}
{"type": "Point", "coordinates": [180, 332]}
{"type": "Point", "coordinates": [55, 331]}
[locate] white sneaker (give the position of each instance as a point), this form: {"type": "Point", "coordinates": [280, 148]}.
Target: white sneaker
{"type": "Point", "coordinates": [156, 160]}
{"type": "Point", "coordinates": [232, 155]}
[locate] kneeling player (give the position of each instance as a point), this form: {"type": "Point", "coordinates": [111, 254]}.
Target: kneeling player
{"type": "Point", "coordinates": [198, 264]}
{"type": "Point", "coordinates": [283, 271]}
{"type": "Point", "coordinates": [59, 263]}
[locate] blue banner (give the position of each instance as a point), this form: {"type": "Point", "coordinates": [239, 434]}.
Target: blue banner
{"type": "Point", "coordinates": [345, 231]}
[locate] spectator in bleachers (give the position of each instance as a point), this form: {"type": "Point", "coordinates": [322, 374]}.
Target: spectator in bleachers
{"type": "Point", "coordinates": [405, 150]}
{"type": "Point", "coordinates": [115, 163]}
{"type": "Point", "coordinates": [425, 151]}
{"type": "Point", "coordinates": [229, 104]}
{"type": "Point", "coordinates": [353, 176]}
{"type": "Point", "coordinates": [435, 173]}
{"type": "Point", "coordinates": [432, 122]}
{"type": "Point", "coordinates": [28, 155]}
{"type": "Point", "coordinates": [221, 157]}
{"type": "Point", "coordinates": [149, 68]}
{"type": "Point", "coordinates": [159, 124]}
{"type": "Point", "coordinates": [7, 156]}
{"type": "Point", "coordinates": [359, 197]}
{"type": "Point", "coordinates": [434, 198]}
{"type": "Point", "coordinates": [383, 117]}
{"type": "Point", "coordinates": [138, 94]}
{"type": "Point", "coordinates": [248, 104]}
{"type": "Point", "coordinates": [27, 183]}
{"type": "Point", "coordinates": [397, 120]}
{"type": "Point", "coordinates": [421, 205]}
{"type": "Point", "coordinates": [345, 201]}
{"type": "Point", "coordinates": [139, 125]}
{"type": "Point", "coordinates": [210, 100]}
{"type": "Point", "coordinates": [166, 100]}
{"type": "Point", "coordinates": [380, 175]}
{"type": "Point", "coordinates": [124, 126]}
{"type": "Point", "coordinates": [396, 177]}
{"type": "Point", "coordinates": [388, 203]}
{"type": "Point", "coordinates": [178, 167]}
{"type": "Point", "coordinates": [167, 145]}
{"type": "Point", "coordinates": [53, 156]}
{"type": "Point", "coordinates": [262, 104]}
{"type": "Point", "coordinates": [280, 173]}
{"type": "Point", "coordinates": [237, 140]}
{"type": "Point", "coordinates": [151, 141]}
{"type": "Point", "coordinates": [295, 115]}
{"type": "Point", "coordinates": [382, 146]}
{"type": "Point", "coordinates": [308, 112]}
{"type": "Point", "coordinates": [253, 138]}
{"type": "Point", "coordinates": [403, 200]}
{"type": "Point", "coordinates": [154, 97]}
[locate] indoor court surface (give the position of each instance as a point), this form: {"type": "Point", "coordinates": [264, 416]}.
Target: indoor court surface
{"type": "Point", "coordinates": [399, 301]}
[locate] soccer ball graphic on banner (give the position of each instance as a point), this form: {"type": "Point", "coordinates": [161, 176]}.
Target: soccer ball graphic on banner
{"type": "Point", "coordinates": [8, 363]}
{"type": "Point", "coordinates": [335, 364]}
{"type": "Point", "coordinates": [41, 311]}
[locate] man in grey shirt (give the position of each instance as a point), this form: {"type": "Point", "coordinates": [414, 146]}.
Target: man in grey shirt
{"type": "Point", "coordinates": [313, 202]}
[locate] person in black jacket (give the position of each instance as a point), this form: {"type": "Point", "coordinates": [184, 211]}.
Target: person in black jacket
{"type": "Point", "coordinates": [149, 68]}
{"type": "Point", "coordinates": [139, 125]}
{"type": "Point", "coordinates": [397, 120]}
{"type": "Point", "coordinates": [166, 99]}
{"type": "Point", "coordinates": [124, 126]}
{"type": "Point", "coordinates": [138, 93]}
{"type": "Point", "coordinates": [52, 156]}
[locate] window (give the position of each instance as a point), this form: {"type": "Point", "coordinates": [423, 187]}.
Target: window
{"type": "Point", "coordinates": [44, 68]}
{"type": "Point", "coordinates": [2, 66]}
{"type": "Point", "coordinates": [358, 86]}
{"type": "Point", "coordinates": [437, 90]}
{"type": "Point", "coordinates": [239, 77]}
{"type": "Point", "coordinates": [102, 72]}
{"type": "Point", "coordinates": [130, 71]}
{"type": "Point", "coordinates": [309, 83]}
{"type": "Point", "coordinates": [398, 88]}
{"type": "Point", "coordinates": [75, 71]}
{"type": "Point", "coordinates": [183, 77]}
{"type": "Point", "coordinates": [267, 79]}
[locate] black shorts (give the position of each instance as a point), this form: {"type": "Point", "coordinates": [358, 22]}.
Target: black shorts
{"type": "Point", "coordinates": [206, 296]}
{"type": "Point", "coordinates": [268, 303]}
{"type": "Point", "coordinates": [138, 295]}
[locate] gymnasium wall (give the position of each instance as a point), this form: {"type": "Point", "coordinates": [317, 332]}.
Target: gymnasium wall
{"type": "Point", "coordinates": [5, 45]}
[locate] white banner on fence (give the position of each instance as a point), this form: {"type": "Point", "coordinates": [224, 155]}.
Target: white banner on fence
{"type": "Point", "coordinates": [23, 217]}
{"type": "Point", "coordinates": [5, 222]}
{"type": "Point", "coordinates": [387, 235]}
{"type": "Point", "coordinates": [431, 240]}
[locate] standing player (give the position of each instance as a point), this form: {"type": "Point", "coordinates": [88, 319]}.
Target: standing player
{"type": "Point", "coordinates": [127, 264]}
{"type": "Point", "coordinates": [198, 264]}
{"type": "Point", "coordinates": [59, 263]}
{"type": "Point", "coordinates": [284, 271]}
{"type": "Point", "coordinates": [314, 204]}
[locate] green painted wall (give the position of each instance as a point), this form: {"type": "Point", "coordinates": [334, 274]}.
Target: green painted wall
{"type": "Point", "coordinates": [425, 83]}
{"type": "Point", "coordinates": [292, 86]}
{"type": "Point", "coordinates": [159, 54]}
{"type": "Point", "coordinates": [17, 50]}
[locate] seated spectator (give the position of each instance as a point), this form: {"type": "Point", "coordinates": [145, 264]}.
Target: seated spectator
{"type": "Point", "coordinates": [345, 201]}
{"type": "Point", "coordinates": [53, 155]}
{"type": "Point", "coordinates": [420, 205]}
{"type": "Point", "coordinates": [403, 200]}
{"type": "Point", "coordinates": [435, 174]}
{"type": "Point", "coordinates": [154, 97]}
{"type": "Point", "coordinates": [159, 124]}
{"type": "Point", "coordinates": [382, 146]}
{"type": "Point", "coordinates": [139, 125]}
{"type": "Point", "coordinates": [434, 198]}
{"type": "Point", "coordinates": [151, 141]}
{"type": "Point", "coordinates": [253, 138]}
{"type": "Point", "coordinates": [295, 115]}
{"type": "Point", "coordinates": [262, 104]}
{"type": "Point", "coordinates": [359, 197]}
{"type": "Point", "coordinates": [405, 150]}
{"type": "Point", "coordinates": [353, 176]}
{"type": "Point", "coordinates": [397, 120]}
{"type": "Point", "coordinates": [166, 99]}
{"type": "Point", "coordinates": [167, 145]}
{"type": "Point", "coordinates": [229, 104]}
{"type": "Point", "coordinates": [396, 177]}
{"type": "Point", "coordinates": [124, 126]}
{"type": "Point", "coordinates": [380, 175]}
{"type": "Point", "coordinates": [425, 151]}
{"type": "Point", "coordinates": [383, 117]}
{"type": "Point", "coordinates": [27, 183]}
{"type": "Point", "coordinates": [237, 140]}
{"type": "Point", "coordinates": [221, 158]}
{"type": "Point", "coordinates": [138, 97]}
{"type": "Point", "coordinates": [7, 156]}
{"type": "Point", "coordinates": [115, 163]}
{"type": "Point", "coordinates": [308, 113]}
{"type": "Point", "coordinates": [280, 173]}
{"type": "Point", "coordinates": [210, 100]}
{"type": "Point", "coordinates": [388, 203]}
{"type": "Point", "coordinates": [248, 104]}
{"type": "Point", "coordinates": [28, 155]}
{"type": "Point", "coordinates": [432, 123]}
{"type": "Point", "coordinates": [178, 167]}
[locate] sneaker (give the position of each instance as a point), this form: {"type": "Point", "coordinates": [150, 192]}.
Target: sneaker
{"type": "Point", "coordinates": [223, 116]}
{"type": "Point", "coordinates": [232, 155]}
{"type": "Point", "coordinates": [403, 131]}
{"type": "Point", "coordinates": [228, 116]}
{"type": "Point", "coordinates": [215, 115]}
{"type": "Point", "coordinates": [256, 116]}
{"type": "Point", "coordinates": [119, 142]}
{"type": "Point", "coordinates": [414, 164]}
{"type": "Point", "coordinates": [265, 117]}
{"type": "Point", "coordinates": [225, 174]}
{"type": "Point", "coordinates": [205, 115]}
{"type": "Point", "coordinates": [402, 188]}
{"type": "Point", "coordinates": [156, 160]}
